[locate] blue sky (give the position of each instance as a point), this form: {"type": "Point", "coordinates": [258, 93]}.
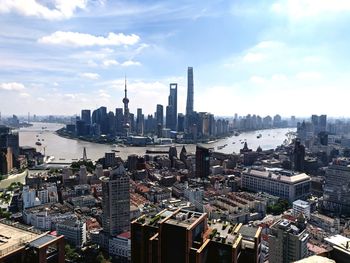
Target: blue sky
{"type": "Point", "coordinates": [264, 57]}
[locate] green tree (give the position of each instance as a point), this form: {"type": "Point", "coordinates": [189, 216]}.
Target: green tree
{"type": "Point", "coordinates": [101, 259]}
{"type": "Point", "coordinates": [71, 254]}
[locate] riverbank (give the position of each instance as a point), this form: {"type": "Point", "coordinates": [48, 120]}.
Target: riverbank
{"type": "Point", "coordinates": [69, 148]}
{"type": "Point", "coordinates": [110, 141]}
{"type": "Point", "coordinates": [13, 178]}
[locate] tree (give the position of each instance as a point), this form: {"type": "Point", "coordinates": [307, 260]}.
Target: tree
{"type": "Point", "coordinates": [101, 259]}
{"type": "Point", "coordinates": [278, 208]}
{"type": "Point", "coordinates": [71, 254]}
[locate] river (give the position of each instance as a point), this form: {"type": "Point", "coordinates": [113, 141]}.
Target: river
{"type": "Point", "coordinates": [59, 147]}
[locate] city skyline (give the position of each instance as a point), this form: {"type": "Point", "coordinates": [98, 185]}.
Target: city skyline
{"type": "Point", "coordinates": [282, 57]}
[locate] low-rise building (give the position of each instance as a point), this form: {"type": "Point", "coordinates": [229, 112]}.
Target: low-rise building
{"type": "Point", "coordinates": [73, 231]}
{"type": "Point", "coordinates": [120, 247]}
{"type": "Point", "coordinates": [285, 184]}
{"type": "Point", "coordinates": [300, 206]}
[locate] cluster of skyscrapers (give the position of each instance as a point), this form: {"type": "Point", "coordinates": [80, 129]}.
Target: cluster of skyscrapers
{"type": "Point", "coordinates": [191, 125]}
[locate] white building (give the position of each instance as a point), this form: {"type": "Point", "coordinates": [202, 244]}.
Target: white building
{"type": "Point", "coordinates": [29, 197]}
{"type": "Point", "coordinates": [284, 184]}
{"type": "Point", "coordinates": [120, 246]}
{"type": "Point", "coordinates": [300, 206]}
{"type": "Point", "coordinates": [43, 196]}
{"type": "Point", "coordinates": [195, 196]}
{"type": "Point", "coordinates": [74, 232]}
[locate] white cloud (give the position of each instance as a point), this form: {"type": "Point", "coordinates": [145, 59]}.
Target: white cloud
{"type": "Point", "coordinates": [130, 63]}
{"type": "Point", "coordinates": [257, 80]}
{"type": "Point", "coordinates": [299, 9]}
{"type": "Point", "coordinates": [55, 84]}
{"type": "Point", "coordinates": [308, 76]}
{"type": "Point", "coordinates": [12, 86]}
{"type": "Point", "coordinates": [279, 77]}
{"type": "Point", "coordinates": [89, 75]}
{"type": "Point", "coordinates": [110, 62]}
{"type": "Point", "coordinates": [59, 9]}
{"type": "Point", "coordinates": [68, 38]}
{"type": "Point", "coordinates": [69, 96]}
{"type": "Point", "coordinates": [253, 57]}
{"type": "Point", "coordinates": [24, 94]}
{"type": "Point", "coordinates": [104, 95]}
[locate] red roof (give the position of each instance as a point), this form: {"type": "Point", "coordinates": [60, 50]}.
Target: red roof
{"type": "Point", "coordinates": [126, 235]}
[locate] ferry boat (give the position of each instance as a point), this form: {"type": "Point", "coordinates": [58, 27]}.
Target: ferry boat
{"type": "Point", "coordinates": [259, 136]}
{"type": "Point", "coordinates": [38, 143]}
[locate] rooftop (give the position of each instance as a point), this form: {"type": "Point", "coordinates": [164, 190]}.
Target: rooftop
{"type": "Point", "coordinates": [301, 203]}
{"type": "Point", "coordinates": [223, 232]}
{"type": "Point", "coordinates": [339, 241]}
{"type": "Point", "coordinates": [184, 218]}
{"type": "Point", "coordinates": [14, 236]}
{"type": "Point", "coordinates": [278, 175]}
{"type": "Point", "coordinates": [315, 259]}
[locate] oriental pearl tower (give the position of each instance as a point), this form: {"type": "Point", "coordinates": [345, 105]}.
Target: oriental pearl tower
{"type": "Point", "coordinates": [126, 124]}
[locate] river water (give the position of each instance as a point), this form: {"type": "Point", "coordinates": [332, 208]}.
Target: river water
{"type": "Point", "coordinates": [63, 148]}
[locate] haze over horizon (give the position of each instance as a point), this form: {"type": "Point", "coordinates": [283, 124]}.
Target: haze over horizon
{"type": "Point", "coordinates": [287, 57]}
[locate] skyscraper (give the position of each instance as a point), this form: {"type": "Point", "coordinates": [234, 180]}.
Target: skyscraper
{"type": "Point", "coordinates": [189, 104]}
{"type": "Point", "coordinates": [119, 119]}
{"type": "Point", "coordinates": [140, 120]}
{"type": "Point", "coordinates": [171, 109]}
{"type": "Point", "coordinates": [116, 202]}
{"type": "Point", "coordinates": [299, 156]}
{"type": "Point", "coordinates": [86, 116]}
{"type": "Point", "coordinates": [160, 115]}
{"type": "Point", "coordinates": [181, 235]}
{"type": "Point", "coordinates": [336, 192]}
{"type": "Point", "coordinates": [202, 161]}
{"type": "Point", "coordinates": [126, 124]}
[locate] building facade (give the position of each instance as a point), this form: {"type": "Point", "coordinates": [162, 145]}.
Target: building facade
{"type": "Point", "coordinates": [116, 202]}
{"type": "Point", "coordinates": [284, 184]}
{"type": "Point", "coordinates": [288, 241]}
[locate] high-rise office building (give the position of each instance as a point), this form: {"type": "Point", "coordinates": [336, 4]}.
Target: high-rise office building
{"type": "Point", "coordinates": [86, 116]}
{"type": "Point", "coordinates": [336, 192]}
{"type": "Point", "coordinates": [322, 122]}
{"type": "Point", "coordinates": [299, 156]}
{"type": "Point", "coordinates": [116, 202]}
{"type": "Point", "coordinates": [99, 116]}
{"type": "Point", "coordinates": [160, 115]}
{"type": "Point", "coordinates": [180, 122]}
{"type": "Point", "coordinates": [202, 161]}
{"type": "Point", "coordinates": [6, 160]}
{"type": "Point", "coordinates": [171, 109]}
{"type": "Point", "coordinates": [288, 241]}
{"type": "Point", "coordinates": [189, 104]}
{"type": "Point", "coordinates": [111, 123]}
{"type": "Point", "coordinates": [119, 120]}
{"type": "Point", "coordinates": [140, 120]}
{"type": "Point", "coordinates": [185, 236]}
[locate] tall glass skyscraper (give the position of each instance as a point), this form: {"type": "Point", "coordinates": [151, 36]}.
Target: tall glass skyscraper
{"type": "Point", "coordinates": [171, 109]}
{"type": "Point", "coordinates": [189, 105]}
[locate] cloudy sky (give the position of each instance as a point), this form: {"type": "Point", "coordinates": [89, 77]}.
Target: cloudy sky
{"type": "Point", "coordinates": [265, 57]}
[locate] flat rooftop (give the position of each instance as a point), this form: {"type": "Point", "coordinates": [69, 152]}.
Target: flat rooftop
{"type": "Point", "coordinates": [15, 236]}
{"type": "Point", "coordinates": [340, 241]}
{"type": "Point", "coordinates": [224, 232]}
{"type": "Point", "coordinates": [278, 175]}
{"type": "Point", "coordinates": [184, 218]}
